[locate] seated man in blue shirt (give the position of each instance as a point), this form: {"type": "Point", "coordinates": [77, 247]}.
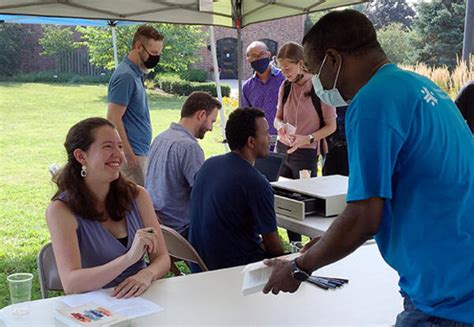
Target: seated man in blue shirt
{"type": "Point", "coordinates": [411, 182]}
{"type": "Point", "coordinates": [176, 157]}
{"type": "Point", "coordinates": [232, 212]}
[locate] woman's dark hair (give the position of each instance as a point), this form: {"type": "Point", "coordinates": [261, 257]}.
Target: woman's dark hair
{"type": "Point", "coordinates": [241, 125]}
{"type": "Point", "coordinates": [72, 189]}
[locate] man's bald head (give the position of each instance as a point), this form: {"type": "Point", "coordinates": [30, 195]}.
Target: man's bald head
{"type": "Point", "coordinates": [256, 45]}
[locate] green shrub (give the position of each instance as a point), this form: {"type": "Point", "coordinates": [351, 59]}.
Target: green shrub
{"type": "Point", "coordinates": [195, 75]}
{"type": "Point", "coordinates": [174, 85]}
{"type": "Point", "coordinates": [53, 77]}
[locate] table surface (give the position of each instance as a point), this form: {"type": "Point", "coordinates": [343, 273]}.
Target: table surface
{"type": "Point", "coordinates": [215, 298]}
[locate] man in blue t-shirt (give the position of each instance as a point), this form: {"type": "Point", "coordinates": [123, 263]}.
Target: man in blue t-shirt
{"type": "Point", "coordinates": [411, 183]}
{"type": "Point", "coordinates": [232, 212]}
{"type": "Point", "coordinates": [128, 105]}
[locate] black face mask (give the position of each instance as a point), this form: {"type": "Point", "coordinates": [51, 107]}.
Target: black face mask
{"type": "Point", "coordinates": [152, 60]}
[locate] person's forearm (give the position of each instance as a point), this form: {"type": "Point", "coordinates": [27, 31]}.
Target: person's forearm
{"type": "Point", "coordinates": [158, 266]}
{"type": "Point", "coordinates": [349, 231]}
{"type": "Point", "coordinates": [324, 132]}
{"type": "Point", "coordinates": [127, 148]}
{"type": "Point", "coordinates": [89, 279]}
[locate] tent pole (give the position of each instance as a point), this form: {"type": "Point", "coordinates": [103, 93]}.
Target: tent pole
{"type": "Point", "coordinates": [218, 82]}
{"type": "Point", "coordinates": [114, 42]}
{"type": "Point", "coordinates": [468, 35]}
{"type": "Point", "coordinates": [239, 63]}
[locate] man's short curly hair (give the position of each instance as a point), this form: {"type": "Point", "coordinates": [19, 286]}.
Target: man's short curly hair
{"type": "Point", "coordinates": [348, 31]}
{"type": "Point", "coordinates": [241, 125]}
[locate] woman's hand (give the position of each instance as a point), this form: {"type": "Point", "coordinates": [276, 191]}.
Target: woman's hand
{"type": "Point", "coordinates": [284, 137]}
{"type": "Point", "coordinates": [134, 285]}
{"type": "Point", "coordinates": [144, 240]}
{"type": "Point", "coordinates": [298, 141]}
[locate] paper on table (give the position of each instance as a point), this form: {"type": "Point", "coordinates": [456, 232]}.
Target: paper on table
{"type": "Point", "coordinates": [257, 274]}
{"type": "Point", "coordinates": [131, 308]}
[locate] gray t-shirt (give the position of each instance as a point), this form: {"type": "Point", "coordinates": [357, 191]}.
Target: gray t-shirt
{"type": "Point", "coordinates": [175, 158]}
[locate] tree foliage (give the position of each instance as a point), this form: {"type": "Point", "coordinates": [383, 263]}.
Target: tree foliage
{"type": "Point", "coordinates": [181, 45]}
{"type": "Point", "coordinates": [57, 41]}
{"type": "Point", "coordinates": [396, 40]}
{"type": "Point", "coordinates": [11, 45]}
{"type": "Point", "coordinates": [384, 12]}
{"type": "Point", "coordinates": [439, 29]}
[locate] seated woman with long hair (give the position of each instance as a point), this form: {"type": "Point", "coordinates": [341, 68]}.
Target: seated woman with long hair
{"type": "Point", "coordinates": [101, 224]}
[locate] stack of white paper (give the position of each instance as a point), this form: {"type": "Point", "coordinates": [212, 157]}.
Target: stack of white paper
{"type": "Point", "coordinates": [131, 308]}
{"type": "Point", "coordinates": [256, 275]}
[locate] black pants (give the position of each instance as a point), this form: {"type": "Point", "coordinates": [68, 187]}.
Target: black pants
{"type": "Point", "coordinates": [298, 160]}
{"type": "Point", "coordinates": [336, 162]}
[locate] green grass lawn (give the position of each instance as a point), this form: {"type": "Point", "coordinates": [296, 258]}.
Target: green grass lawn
{"type": "Point", "coordinates": [34, 120]}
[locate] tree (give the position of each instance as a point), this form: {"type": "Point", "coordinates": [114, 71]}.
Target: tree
{"type": "Point", "coordinates": [312, 18]}
{"type": "Point", "coordinates": [181, 45]}
{"type": "Point", "coordinates": [439, 29]}
{"type": "Point", "coordinates": [57, 42]}
{"type": "Point", "coordinates": [12, 43]}
{"type": "Point", "coordinates": [396, 40]}
{"type": "Point", "coordinates": [384, 12]}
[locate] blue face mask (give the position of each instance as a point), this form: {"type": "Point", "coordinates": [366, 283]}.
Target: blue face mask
{"type": "Point", "coordinates": [330, 97]}
{"type": "Point", "coordinates": [260, 65]}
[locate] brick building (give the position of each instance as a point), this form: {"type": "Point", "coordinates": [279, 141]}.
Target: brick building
{"type": "Point", "coordinates": [31, 59]}
{"type": "Point", "coordinates": [274, 33]}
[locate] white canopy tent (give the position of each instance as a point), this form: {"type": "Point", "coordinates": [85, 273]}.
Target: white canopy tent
{"type": "Point", "coordinates": [228, 13]}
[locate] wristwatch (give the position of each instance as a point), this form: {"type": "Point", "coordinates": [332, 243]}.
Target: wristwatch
{"type": "Point", "coordinates": [311, 138]}
{"type": "Point", "coordinates": [297, 273]}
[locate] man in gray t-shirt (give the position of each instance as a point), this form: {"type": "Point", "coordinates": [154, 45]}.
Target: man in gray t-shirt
{"type": "Point", "coordinates": [175, 158]}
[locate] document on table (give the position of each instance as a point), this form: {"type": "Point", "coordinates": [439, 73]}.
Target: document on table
{"type": "Point", "coordinates": [131, 308]}
{"type": "Point", "coordinates": [256, 275]}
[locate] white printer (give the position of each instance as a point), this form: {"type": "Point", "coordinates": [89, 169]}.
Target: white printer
{"type": "Point", "coordinates": [298, 198]}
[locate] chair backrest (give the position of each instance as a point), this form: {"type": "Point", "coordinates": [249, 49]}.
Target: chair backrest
{"type": "Point", "coordinates": [180, 249]}
{"type": "Point", "coordinates": [48, 271]}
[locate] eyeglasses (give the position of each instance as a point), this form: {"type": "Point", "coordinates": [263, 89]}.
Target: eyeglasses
{"type": "Point", "coordinates": [150, 54]}
{"type": "Point", "coordinates": [253, 57]}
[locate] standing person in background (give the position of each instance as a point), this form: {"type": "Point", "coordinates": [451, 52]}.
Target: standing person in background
{"type": "Point", "coordinates": [128, 104]}
{"type": "Point", "coordinates": [261, 90]}
{"type": "Point", "coordinates": [336, 162]}
{"type": "Point", "coordinates": [302, 120]}
{"type": "Point", "coordinates": [411, 183]}
{"type": "Point", "coordinates": [465, 103]}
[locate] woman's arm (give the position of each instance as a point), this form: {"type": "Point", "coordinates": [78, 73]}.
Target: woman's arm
{"type": "Point", "coordinates": [278, 123]}
{"type": "Point", "coordinates": [159, 258]}
{"type": "Point", "coordinates": [330, 126]}
{"type": "Point", "coordinates": [62, 226]}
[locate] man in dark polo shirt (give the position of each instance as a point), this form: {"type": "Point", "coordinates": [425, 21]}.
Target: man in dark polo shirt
{"type": "Point", "coordinates": [128, 105]}
{"type": "Point", "coordinates": [232, 214]}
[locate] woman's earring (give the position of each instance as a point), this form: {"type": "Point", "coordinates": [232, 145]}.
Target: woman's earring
{"type": "Point", "coordinates": [83, 171]}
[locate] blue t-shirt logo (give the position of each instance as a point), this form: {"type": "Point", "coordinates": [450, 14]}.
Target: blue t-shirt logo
{"type": "Point", "coordinates": [429, 97]}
